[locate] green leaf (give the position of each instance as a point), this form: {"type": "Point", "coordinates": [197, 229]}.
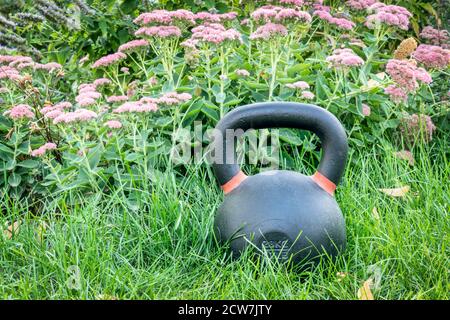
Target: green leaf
{"type": "Point", "coordinates": [29, 164]}
{"type": "Point", "coordinates": [290, 136]}
{"type": "Point", "coordinates": [14, 180]}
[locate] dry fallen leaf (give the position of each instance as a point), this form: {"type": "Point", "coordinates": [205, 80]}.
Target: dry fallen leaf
{"type": "Point", "coordinates": [396, 192]}
{"type": "Point", "coordinates": [375, 213]}
{"type": "Point", "coordinates": [12, 229]}
{"type": "Point", "coordinates": [365, 293]}
{"type": "Point", "coordinates": [405, 155]}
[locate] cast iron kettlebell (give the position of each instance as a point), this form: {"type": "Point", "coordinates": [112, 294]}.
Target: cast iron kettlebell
{"type": "Point", "coordinates": [285, 213]}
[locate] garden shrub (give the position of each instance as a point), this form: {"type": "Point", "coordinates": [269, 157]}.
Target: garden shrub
{"type": "Point", "coordinates": [100, 124]}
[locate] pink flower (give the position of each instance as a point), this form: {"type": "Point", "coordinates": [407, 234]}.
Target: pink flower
{"type": "Point", "coordinates": [136, 106]}
{"type": "Point", "coordinates": [308, 95]}
{"type": "Point", "coordinates": [43, 149]}
{"type": "Point", "coordinates": [170, 98]}
{"type": "Point", "coordinates": [212, 33]}
{"type": "Point", "coordinates": [101, 82]}
{"type": "Point", "coordinates": [360, 4]}
{"type": "Point", "coordinates": [435, 36]}
{"type": "Point", "coordinates": [294, 15]}
{"type": "Point", "coordinates": [268, 31]}
{"type": "Point", "coordinates": [63, 105]}
{"type": "Point", "coordinates": [396, 94]}
{"type": "Point", "coordinates": [390, 15]}
{"type": "Point", "coordinates": [406, 74]}
{"type": "Point", "coordinates": [125, 70]}
{"type": "Point", "coordinates": [86, 87]}
{"type": "Point", "coordinates": [52, 114]}
{"type": "Point", "coordinates": [6, 59]}
{"type": "Point", "coordinates": [159, 31]}
{"type": "Point", "coordinates": [133, 45]}
{"type": "Point", "coordinates": [86, 102]}
{"type": "Point", "coordinates": [242, 73]}
{"type": "Point", "coordinates": [88, 94]}
{"type": "Point", "coordinates": [300, 85]}
{"type": "Point", "coordinates": [20, 111]}
{"type": "Point", "coordinates": [10, 73]}
{"type": "Point", "coordinates": [109, 60]}
{"type": "Point", "coordinates": [341, 23]}
{"type": "Point", "coordinates": [366, 110]}
{"type": "Point", "coordinates": [416, 126]}
{"type": "Point", "coordinates": [114, 99]}
{"type": "Point", "coordinates": [20, 60]}
{"type": "Point", "coordinates": [48, 66]}
{"type": "Point", "coordinates": [165, 17]}
{"type": "Point", "coordinates": [294, 2]}
{"type": "Point", "coordinates": [25, 65]}
{"type": "Point", "coordinates": [215, 17]}
{"type": "Point", "coordinates": [432, 56]}
{"type": "Point", "coordinates": [344, 58]}
{"type": "Point", "coordinates": [78, 115]}
{"type": "Point", "coordinates": [113, 124]}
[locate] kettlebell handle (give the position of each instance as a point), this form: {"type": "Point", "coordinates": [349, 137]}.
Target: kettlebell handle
{"type": "Point", "coordinates": [281, 115]}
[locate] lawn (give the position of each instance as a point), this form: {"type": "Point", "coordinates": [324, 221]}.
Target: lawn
{"type": "Point", "coordinates": [162, 246]}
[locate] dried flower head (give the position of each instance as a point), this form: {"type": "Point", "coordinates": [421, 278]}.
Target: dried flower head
{"type": "Point", "coordinates": [405, 49]}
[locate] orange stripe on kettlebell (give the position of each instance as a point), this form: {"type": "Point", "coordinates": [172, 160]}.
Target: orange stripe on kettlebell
{"type": "Point", "coordinates": [234, 182]}
{"type": "Point", "coordinates": [324, 182]}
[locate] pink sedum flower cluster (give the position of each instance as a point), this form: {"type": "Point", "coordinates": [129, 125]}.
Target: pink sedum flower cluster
{"type": "Point", "coordinates": [297, 3]}
{"type": "Point", "coordinates": [113, 124]}
{"type": "Point", "coordinates": [390, 15]}
{"type": "Point", "coordinates": [416, 126]}
{"type": "Point", "coordinates": [299, 85]}
{"type": "Point", "coordinates": [136, 106]}
{"type": "Point", "coordinates": [173, 98]}
{"type": "Point", "coordinates": [164, 17]}
{"type": "Point", "coordinates": [340, 23]}
{"type": "Point", "coordinates": [268, 31]}
{"type": "Point", "coordinates": [302, 86]}
{"type": "Point", "coordinates": [280, 14]}
{"type": "Point", "coordinates": [39, 152]}
{"type": "Point", "coordinates": [212, 33]}
{"type": "Point", "coordinates": [114, 99]}
{"type": "Point", "coordinates": [396, 94]}
{"type": "Point", "coordinates": [51, 112]}
{"type": "Point", "coordinates": [133, 45]}
{"type": "Point", "coordinates": [215, 17]}
{"type": "Point", "coordinates": [406, 74]}
{"type": "Point", "coordinates": [159, 32]}
{"type": "Point", "coordinates": [10, 73]}
{"type": "Point", "coordinates": [87, 95]}
{"type": "Point", "coordinates": [101, 82]}
{"type": "Point", "coordinates": [50, 67]}
{"type": "Point", "coordinates": [109, 60]}
{"type": "Point", "coordinates": [360, 4]}
{"type": "Point", "coordinates": [432, 56]}
{"type": "Point", "coordinates": [79, 115]}
{"type": "Point", "coordinates": [436, 37]}
{"type": "Point", "coordinates": [20, 112]}
{"type": "Point", "coordinates": [344, 58]}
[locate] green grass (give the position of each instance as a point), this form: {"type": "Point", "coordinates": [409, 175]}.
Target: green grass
{"type": "Point", "coordinates": [161, 246]}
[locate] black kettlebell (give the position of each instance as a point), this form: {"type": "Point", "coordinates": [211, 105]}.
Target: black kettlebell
{"type": "Point", "coordinates": [284, 213]}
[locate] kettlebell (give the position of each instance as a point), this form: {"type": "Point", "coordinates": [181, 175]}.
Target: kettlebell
{"type": "Point", "coordinates": [284, 213]}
